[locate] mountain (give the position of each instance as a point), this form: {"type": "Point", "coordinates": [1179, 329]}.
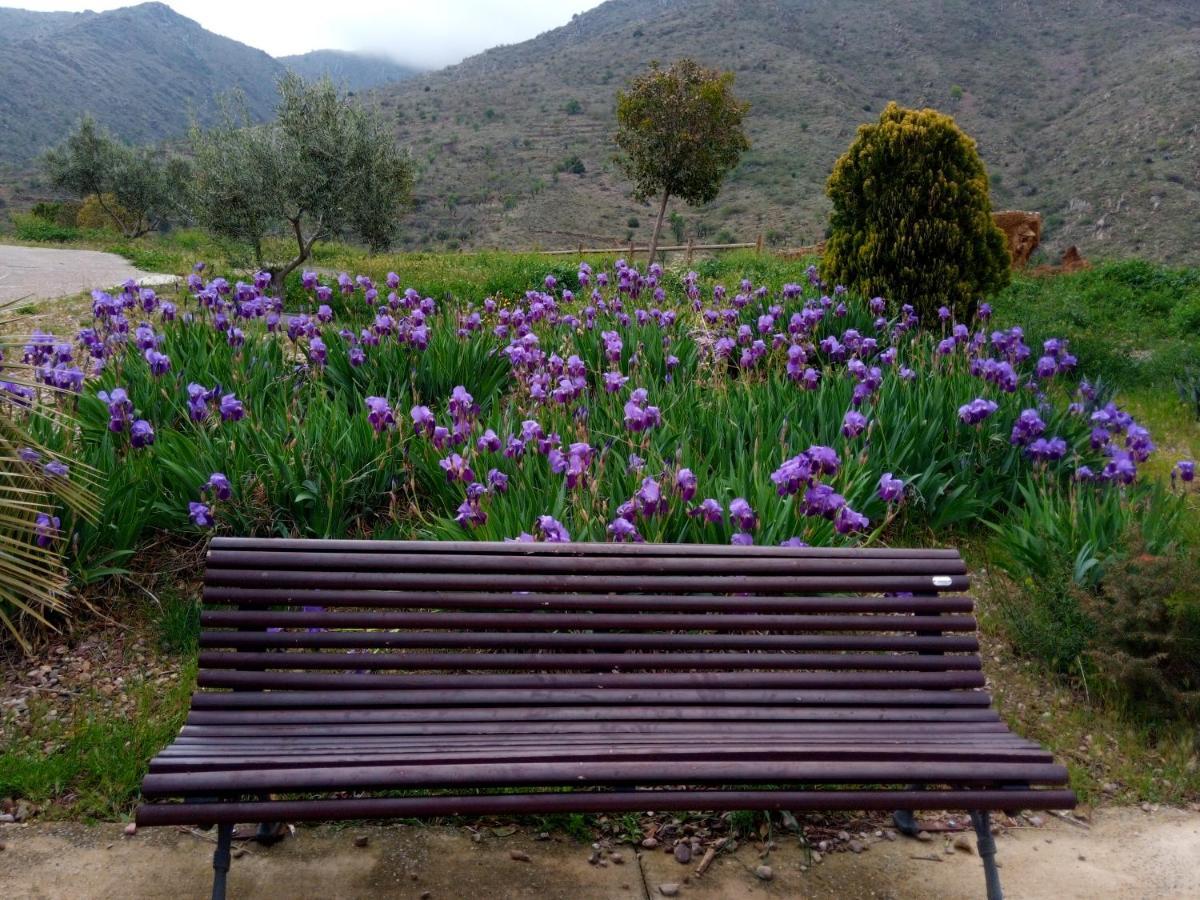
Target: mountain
{"type": "Point", "coordinates": [351, 71]}
{"type": "Point", "coordinates": [1084, 110]}
{"type": "Point", "coordinates": [143, 71]}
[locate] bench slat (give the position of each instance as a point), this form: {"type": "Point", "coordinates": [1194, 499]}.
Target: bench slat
{"type": "Point", "coordinates": [599, 603]}
{"type": "Point", "coordinates": [654, 681]}
{"type": "Point", "coordinates": [732, 584]}
{"type": "Point", "coordinates": [578, 641]}
{"type": "Point", "coordinates": [601, 662]}
{"type": "Point", "coordinates": [554, 774]}
{"type": "Point", "coordinates": [647, 621]}
{"type": "Point", "coordinates": [645, 567]}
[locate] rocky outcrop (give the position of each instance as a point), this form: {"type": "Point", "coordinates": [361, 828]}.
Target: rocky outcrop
{"type": "Point", "coordinates": [1023, 231]}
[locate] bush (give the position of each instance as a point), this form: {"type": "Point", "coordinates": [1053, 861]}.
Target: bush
{"type": "Point", "coordinates": [93, 213]}
{"type": "Point", "coordinates": [911, 216]}
{"type": "Point", "coordinates": [1147, 626]}
{"type": "Point", "coordinates": [29, 227]}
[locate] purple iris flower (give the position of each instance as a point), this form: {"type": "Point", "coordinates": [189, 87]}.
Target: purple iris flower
{"type": "Point", "coordinates": [141, 434]}
{"type": "Point", "coordinates": [551, 530]}
{"type": "Point", "coordinates": [46, 529]}
{"type": "Point", "coordinates": [1028, 426]}
{"type": "Point", "coordinates": [848, 520]}
{"type": "Point", "coordinates": [231, 408]}
{"type": "Point", "coordinates": [793, 542]}
{"type": "Point", "coordinates": [853, 423]}
{"type": "Point", "coordinates": [1121, 468]}
{"type": "Point", "coordinates": [1084, 473]}
{"type": "Point", "coordinates": [456, 468]}
{"type": "Point", "coordinates": [159, 363]}
{"type": "Point", "coordinates": [685, 483]}
{"type": "Point", "coordinates": [976, 411]}
{"type": "Point", "coordinates": [650, 498]}
{"type": "Point", "coordinates": [200, 514]}
{"type": "Point", "coordinates": [120, 408]}
{"type": "Point", "coordinates": [423, 420]}
{"type": "Point", "coordinates": [379, 414]}
{"type": "Point", "coordinates": [489, 442]}
{"type": "Point", "coordinates": [1185, 469]}
{"type": "Point", "coordinates": [742, 539]}
{"type": "Point", "coordinates": [742, 515]}
{"type": "Point", "coordinates": [891, 489]}
{"type": "Point", "coordinates": [56, 469]}
{"type": "Point", "coordinates": [709, 510]}
{"type": "Point", "coordinates": [29, 455]}
{"type": "Point", "coordinates": [356, 356]}
{"type": "Point", "coordinates": [219, 485]}
{"type": "Point", "coordinates": [497, 481]}
{"type": "Point", "coordinates": [822, 500]}
{"type": "Point", "coordinates": [624, 531]}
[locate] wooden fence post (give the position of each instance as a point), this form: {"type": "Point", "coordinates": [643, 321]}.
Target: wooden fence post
{"type": "Point", "coordinates": [758, 244]}
{"type": "Point", "coordinates": [631, 252]}
{"type": "Point", "coordinates": [689, 250]}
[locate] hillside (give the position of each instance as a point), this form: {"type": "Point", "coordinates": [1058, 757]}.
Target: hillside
{"type": "Point", "coordinates": [352, 71]}
{"type": "Point", "coordinates": [1083, 109]}
{"type": "Point", "coordinates": [143, 71]}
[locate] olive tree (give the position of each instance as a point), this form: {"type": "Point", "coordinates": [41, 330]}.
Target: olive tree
{"type": "Point", "coordinates": [680, 132]}
{"type": "Point", "coordinates": [138, 188]}
{"type": "Point", "coordinates": [325, 167]}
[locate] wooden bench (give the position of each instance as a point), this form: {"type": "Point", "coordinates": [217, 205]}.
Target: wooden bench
{"type": "Point", "coordinates": [399, 678]}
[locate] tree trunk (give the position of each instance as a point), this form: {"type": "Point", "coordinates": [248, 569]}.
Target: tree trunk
{"type": "Point", "coordinates": [662, 211]}
{"type": "Point", "coordinates": [304, 248]}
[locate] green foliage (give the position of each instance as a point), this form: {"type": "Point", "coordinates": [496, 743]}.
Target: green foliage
{"type": "Point", "coordinates": [144, 185]}
{"type": "Point", "coordinates": [679, 132]}
{"type": "Point", "coordinates": [29, 227]}
{"type": "Point", "coordinates": [33, 578]}
{"type": "Point", "coordinates": [1059, 546]}
{"type": "Point", "coordinates": [912, 218]}
{"type": "Point", "coordinates": [573, 107]}
{"type": "Point", "coordinates": [1125, 320]}
{"type": "Point", "coordinates": [572, 164]}
{"type": "Point", "coordinates": [325, 167]}
{"type": "Point", "coordinates": [1147, 642]}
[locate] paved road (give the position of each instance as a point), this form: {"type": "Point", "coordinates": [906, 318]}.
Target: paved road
{"type": "Point", "coordinates": [44, 273]}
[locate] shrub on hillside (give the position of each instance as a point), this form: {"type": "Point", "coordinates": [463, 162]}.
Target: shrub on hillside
{"type": "Point", "coordinates": [912, 219]}
{"type": "Point", "coordinates": [93, 212]}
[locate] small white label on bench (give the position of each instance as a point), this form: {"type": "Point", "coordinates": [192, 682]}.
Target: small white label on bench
{"type": "Point", "coordinates": [941, 581]}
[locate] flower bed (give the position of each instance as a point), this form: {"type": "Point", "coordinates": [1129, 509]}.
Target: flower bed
{"type": "Point", "coordinates": [625, 406]}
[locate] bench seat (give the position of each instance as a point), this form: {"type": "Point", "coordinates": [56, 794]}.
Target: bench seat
{"type": "Point", "coordinates": [367, 679]}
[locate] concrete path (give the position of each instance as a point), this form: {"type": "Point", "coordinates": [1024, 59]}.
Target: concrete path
{"type": "Point", "coordinates": [44, 273]}
{"type": "Point", "coordinates": [1124, 853]}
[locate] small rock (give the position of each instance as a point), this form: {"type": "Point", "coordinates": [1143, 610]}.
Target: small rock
{"type": "Point", "coordinates": [7, 818]}
{"type": "Point", "coordinates": [426, 895]}
{"type": "Point", "coordinates": [857, 846]}
{"type": "Point", "coordinates": [543, 836]}
{"type": "Point", "coordinates": [816, 856]}
{"type": "Point", "coordinates": [963, 843]}
{"type": "Point", "coordinates": [519, 855]}
{"type": "Point", "coordinates": [237, 852]}
{"type": "Point", "coordinates": [131, 829]}
{"type": "Point", "coordinates": [683, 854]}
{"type": "Point", "coordinates": [889, 835]}
{"type": "Point", "coordinates": [617, 858]}
{"type": "Point", "coordinates": [843, 836]}
{"type": "Point", "coordinates": [1146, 806]}
{"type": "Point", "coordinates": [361, 841]}
{"type": "Point", "coordinates": [764, 873]}
{"type": "Point", "coordinates": [669, 889]}
{"type": "Point", "coordinates": [1037, 821]}
{"type": "Point", "coordinates": [650, 843]}
{"type": "Point", "coordinates": [948, 849]}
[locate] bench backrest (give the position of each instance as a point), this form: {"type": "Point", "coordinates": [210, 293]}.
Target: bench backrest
{"type": "Point", "coordinates": [291, 624]}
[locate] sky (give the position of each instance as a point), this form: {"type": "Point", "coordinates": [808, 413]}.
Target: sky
{"type": "Point", "coordinates": [424, 33]}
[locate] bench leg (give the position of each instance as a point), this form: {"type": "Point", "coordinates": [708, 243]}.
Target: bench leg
{"type": "Point", "coordinates": [904, 820]}
{"type": "Point", "coordinates": [987, 853]}
{"type": "Point", "coordinates": [221, 858]}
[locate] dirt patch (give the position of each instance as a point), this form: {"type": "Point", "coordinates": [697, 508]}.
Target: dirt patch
{"type": "Point", "coordinates": [1122, 852]}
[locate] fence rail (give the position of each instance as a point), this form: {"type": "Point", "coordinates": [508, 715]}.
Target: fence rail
{"type": "Point", "coordinates": [631, 249]}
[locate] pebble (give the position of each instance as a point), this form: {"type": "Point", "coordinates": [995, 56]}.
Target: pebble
{"type": "Point", "coordinates": [843, 836]}
{"type": "Point", "coordinates": [7, 817]}
{"type": "Point", "coordinates": [361, 841]}
{"type": "Point", "coordinates": [1146, 807]}
{"type": "Point", "coordinates": [237, 852]}
{"type": "Point", "coordinates": [816, 856]}
{"type": "Point", "coordinates": [650, 843]}
{"type": "Point", "coordinates": [764, 873]}
{"type": "Point", "coordinates": [426, 895]}
{"type": "Point", "coordinates": [857, 846]}
{"type": "Point", "coordinates": [683, 854]}
{"type": "Point", "coordinates": [617, 858]}
{"type": "Point", "coordinates": [1037, 821]}
{"type": "Point", "coordinates": [131, 829]}
{"type": "Point", "coordinates": [924, 836]}
{"type": "Point", "coordinates": [963, 843]}
{"type": "Point", "coordinates": [519, 855]}
{"type": "Point", "coordinates": [669, 889]}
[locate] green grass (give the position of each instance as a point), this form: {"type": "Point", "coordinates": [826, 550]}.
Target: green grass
{"type": "Point", "coordinates": [89, 764]}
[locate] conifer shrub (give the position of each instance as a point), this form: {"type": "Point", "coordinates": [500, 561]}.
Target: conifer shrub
{"type": "Point", "coordinates": [912, 219]}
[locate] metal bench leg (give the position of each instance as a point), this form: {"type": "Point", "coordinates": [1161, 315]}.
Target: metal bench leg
{"type": "Point", "coordinates": [221, 858]}
{"type": "Point", "coordinates": [987, 853]}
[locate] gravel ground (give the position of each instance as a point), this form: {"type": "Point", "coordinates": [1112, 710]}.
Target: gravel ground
{"type": "Point", "coordinates": [45, 273]}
